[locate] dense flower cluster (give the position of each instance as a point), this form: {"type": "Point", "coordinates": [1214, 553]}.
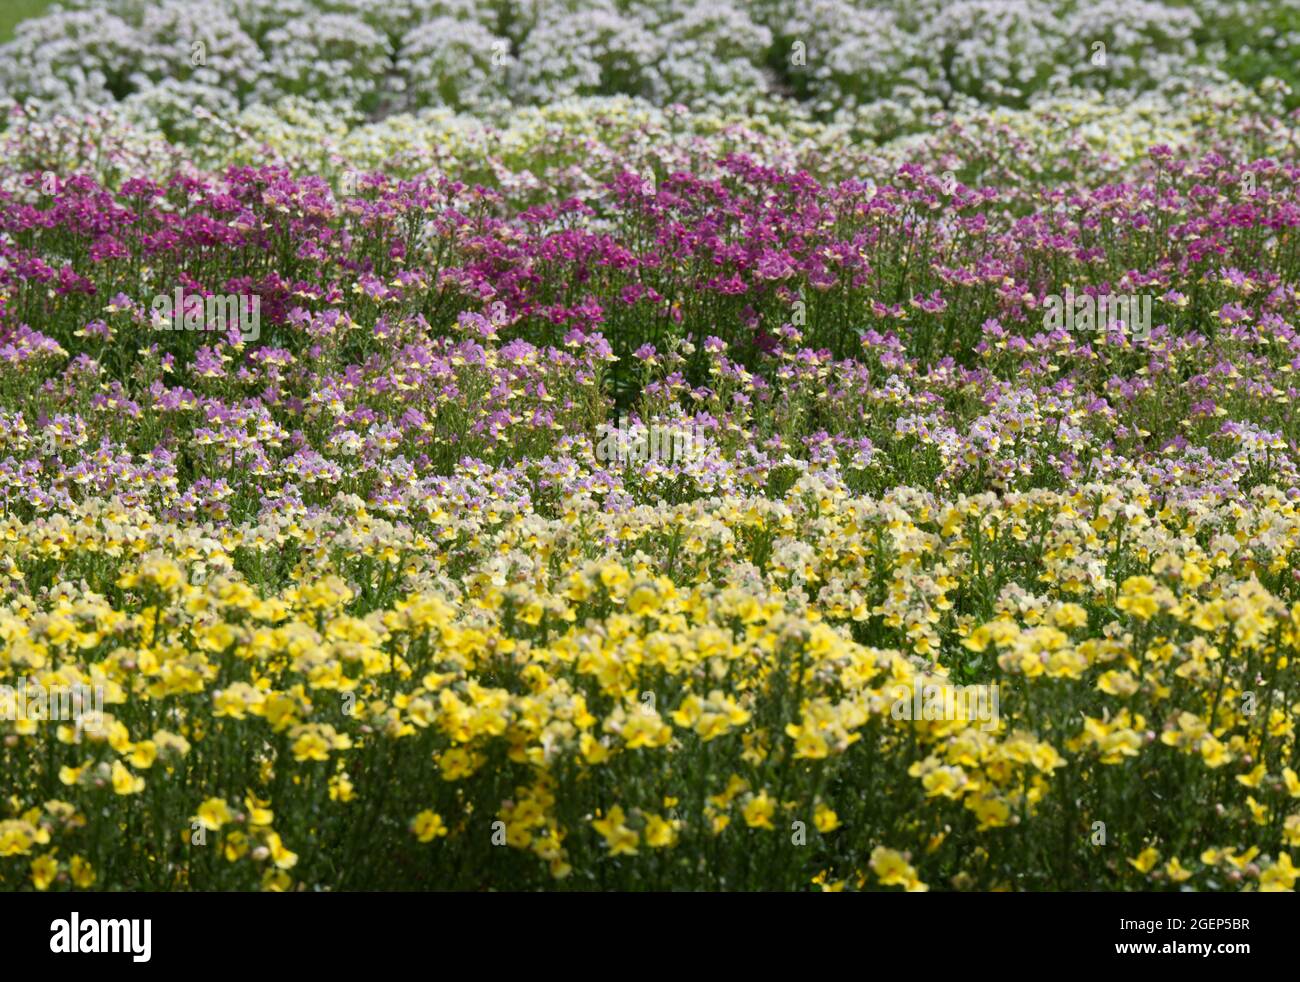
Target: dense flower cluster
{"type": "Point", "coordinates": [837, 59]}
{"type": "Point", "coordinates": [611, 495]}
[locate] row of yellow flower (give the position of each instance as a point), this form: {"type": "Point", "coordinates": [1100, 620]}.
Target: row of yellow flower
{"type": "Point", "coordinates": [718, 693]}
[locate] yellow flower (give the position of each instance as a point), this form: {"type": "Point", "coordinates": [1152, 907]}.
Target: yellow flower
{"type": "Point", "coordinates": [235, 846]}
{"type": "Point", "coordinates": [281, 856]}
{"type": "Point", "coordinates": [991, 812]}
{"type": "Point", "coordinates": [259, 812]}
{"type": "Point", "coordinates": [1244, 860]}
{"type": "Point", "coordinates": [1176, 872]}
{"type": "Point", "coordinates": [276, 881]}
{"type": "Point", "coordinates": [1258, 812]}
{"type": "Point", "coordinates": [808, 743]}
{"type": "Point", "coordinates": [83, 874]}
{"type": "Point", "coordinates": [758, 811]}
{"type": "Point", "coordinates": [18, 837]}
{"type": "Point", "coordinates": [643, 599]}
{"type": "Point", "coordinates": [456, 763]}
{"type": "Point", "coordinates": [1117, 683]}
{"type": "Point", "coordinates": [614, 577]}
{"type": "Point", "coordinates": [825, 819]}
{"type": "Point", "coordinates": [1137, 597]}
{"type": "Point", "coordinates": [311, 745]}
{"type": "Point", "coordinates": [428, 826]}
{"type": "Point", "coordinates": [143, 754]}
{"type": "Point", "coordinates": [1145, 860]}
{"type": "Point", "coordinates": [889, 865]}
{"type": "Point", "coordinates": [645, 730]}
{"type": "Point", "coordinates": [44, 870]}
{"type": "Point", "coordinates": [659, 832]}
{"type": "Point", "coordinates": [1214, 753]}
{"type": "Point", "coordinates": [1069, 615]}
{"type": "Point", "coordinates": [1280, 877]}
{"type": "Point", "coordinates": [213, 814]}
{"type": "Point", "coordinates": [621, 840]}
{"type": "Point", "coordinates": [593, 751]}
{"type": "Point", "coordinates": [1291, 830]}
{"type": "Point", "coordinates": [124, 782]}
{"type": "Point", "coordinates": [1292, 782]}
{"type": "Point", "coordinates": [892, 869]}
{"type": "Point", "coordinates": [1253, 779]}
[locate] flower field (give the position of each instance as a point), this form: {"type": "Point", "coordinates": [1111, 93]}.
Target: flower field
{"type": "Point", "coordinates": [508, 446]}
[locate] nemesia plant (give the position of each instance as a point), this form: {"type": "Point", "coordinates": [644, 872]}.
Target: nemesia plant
{"type": "Point", "coordinates": [940, 593]}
